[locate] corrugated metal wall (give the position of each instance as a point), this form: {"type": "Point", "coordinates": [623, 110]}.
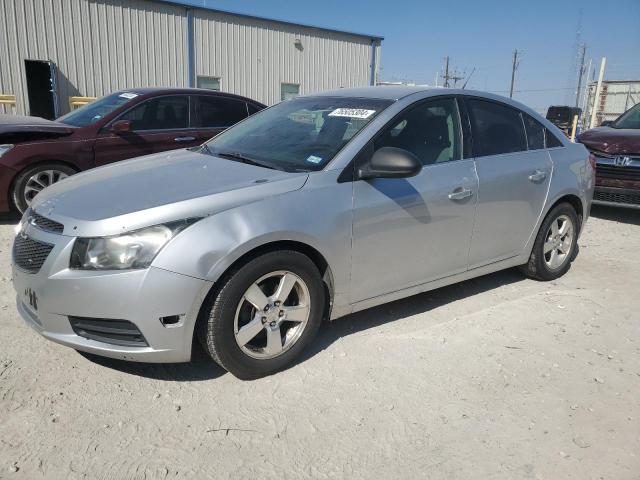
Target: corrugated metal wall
{"type": "Point", "coordinates": [615, 99]}
{"type": "Point", "coordinates": [253, 57]}
{"type": "Point", "coordinates": [98, 46]}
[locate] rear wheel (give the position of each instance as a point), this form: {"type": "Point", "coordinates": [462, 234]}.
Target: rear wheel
{"type": "Point", "coordinates": [264, 315]}
{"type": "Point", "coordinates": [556, 244]}
{"type": "Point", "coordinates": [33, 180]}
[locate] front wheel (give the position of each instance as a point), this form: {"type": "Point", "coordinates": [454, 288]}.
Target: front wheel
{"type": "Point", "coordinates": [33, 180]}
{"type": "Point", "coordinates": [264, 315]}
{"type": "Point", "coordinates": [555, 246]}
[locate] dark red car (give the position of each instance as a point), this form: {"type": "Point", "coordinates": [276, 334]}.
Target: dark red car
{"type": "Point", "coordinates": [35, 153]}
{"type": "Point", "coordinates": [616, 147]}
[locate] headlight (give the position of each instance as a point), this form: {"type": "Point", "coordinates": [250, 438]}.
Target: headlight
{"type": "Point", "coordinates": [131, 250]}
{"type": "Point", "coordinates": [5, 148]}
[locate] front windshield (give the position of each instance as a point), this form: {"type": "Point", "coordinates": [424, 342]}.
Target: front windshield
{"type": "Point", "coordinates": [94, 111]}
{"type": "Point", "coordinates": [629, 119]}
{"type": "Point", "coordinates": [302, 134]}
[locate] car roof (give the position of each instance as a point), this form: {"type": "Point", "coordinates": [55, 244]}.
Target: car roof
{"type": "Point", "coordinates": [396, 92]}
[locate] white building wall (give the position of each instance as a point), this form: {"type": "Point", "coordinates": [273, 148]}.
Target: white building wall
{"type": "Point", "coordinates": [253, 57]}
{"type": "Point", "coordinates": [616, 98]}
{"type": "Point", "coordinates": [100, 46]}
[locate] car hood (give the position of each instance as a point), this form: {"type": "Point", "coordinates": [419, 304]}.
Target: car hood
{"type": "Point", "coordinates": [22, 124]}
{"type": "Point", "coordinates": [155, 189]}
{"type": "Point", "coordinates": [612, 140]}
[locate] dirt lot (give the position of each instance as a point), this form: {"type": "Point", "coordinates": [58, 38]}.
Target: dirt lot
{"type": "Point", "coordinates": [498, 377]}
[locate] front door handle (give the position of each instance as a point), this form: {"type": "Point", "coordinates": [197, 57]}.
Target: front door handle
{"type": "Point", "coordinates": [184, 139]}
{"type": "Point", "coordinates": [460, 193]}
{"type": "Point", "coordinates": [538, 176]}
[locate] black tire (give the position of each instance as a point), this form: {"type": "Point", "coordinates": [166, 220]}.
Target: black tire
{"type": "Point", "coordinates": [537, 267]}
{"type": "Point", "coordinates": [215, 329]}
{"type": "Point", "coordinates": [20, 182]}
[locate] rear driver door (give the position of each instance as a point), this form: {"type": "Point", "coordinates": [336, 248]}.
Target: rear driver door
{"type": "Point", "coordinates": [514, 176]}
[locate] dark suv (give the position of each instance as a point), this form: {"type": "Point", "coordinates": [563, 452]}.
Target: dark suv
{"type": "Point", "coordinates": [616, 147]}
{"type": "Point", "coordinates": [35, 153]}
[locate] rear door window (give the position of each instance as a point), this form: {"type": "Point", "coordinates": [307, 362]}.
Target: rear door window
{"type": "Point", "coordinates": [497, 128]}
{"type": "Point", "coordinates": [219, 112]}
{"type": "Point", "coordinates": [162, 113]}
{"type": "Point", "coordinates": [535, 132]}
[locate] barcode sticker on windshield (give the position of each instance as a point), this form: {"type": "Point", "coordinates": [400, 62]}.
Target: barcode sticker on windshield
{"type": "Point", "coordinates": [129, 95]}
{"type": "Point", "coordinates": [352, 113]}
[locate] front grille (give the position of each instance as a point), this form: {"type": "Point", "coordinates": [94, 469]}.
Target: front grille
{"type": "Point", "coordinates": [115, 332]}
{"type": "Point", "coordinates": [44, 223]}
{"type": "Point", "coordinates": [627, 198]}
{"type": "Point", "coordinates": [29, 254]}
{"type": "Point", "coordinates": [620, 173]}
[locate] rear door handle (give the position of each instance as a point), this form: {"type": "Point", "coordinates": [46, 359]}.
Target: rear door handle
{"type": "Point", "coordinates": [538, 176]}
{"type": "Point", "coordinates": [184, 139]}
{"type": "Point", "coordinates": [460, 193]}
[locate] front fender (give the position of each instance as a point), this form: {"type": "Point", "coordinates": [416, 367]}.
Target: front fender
{"type": "Point", "coordinates": [318, 215]}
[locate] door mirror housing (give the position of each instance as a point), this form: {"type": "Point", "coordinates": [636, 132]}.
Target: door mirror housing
{"type": "Point", "coordinates": [606, 123]}
{"type": "Point", "coordinates": [390, 162]}
{"type": "Point", "coordinates": [121, 126]}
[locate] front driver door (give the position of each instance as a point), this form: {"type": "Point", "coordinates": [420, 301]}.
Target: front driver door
{"type": "Point", "coordinates": [410, 231]}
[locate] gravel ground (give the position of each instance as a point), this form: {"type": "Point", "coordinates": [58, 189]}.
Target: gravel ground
{"type": "Point", "coordinates": [497, 377]}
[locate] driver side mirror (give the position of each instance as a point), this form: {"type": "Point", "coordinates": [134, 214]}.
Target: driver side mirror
{"type": "Point", "coordinates": [390, 162]}
{"type": "Point", "coordinates": [121, 126]}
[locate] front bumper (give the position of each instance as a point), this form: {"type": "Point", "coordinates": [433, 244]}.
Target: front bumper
{"type": "Point", "coordinates": [617, 181]}
{"type": "Point", "coordinates": [141, 297]}
{"type": "Point", "coordinates": [617, 197]}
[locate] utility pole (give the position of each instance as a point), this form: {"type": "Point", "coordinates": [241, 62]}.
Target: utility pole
{"type": "Point", "coordinates": [580, 73]}
{"type": "Point", "coordinates": [596, 98]}
{"type": "Point", "coordinates": [455, 76]}
{"type": "Point", "coordinates": [514, 67]}
{"type": "Point", "coordinates": [446, 72]}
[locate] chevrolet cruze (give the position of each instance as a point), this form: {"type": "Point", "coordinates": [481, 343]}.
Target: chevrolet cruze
{"type": "Point", "coordinates": [309, 210]}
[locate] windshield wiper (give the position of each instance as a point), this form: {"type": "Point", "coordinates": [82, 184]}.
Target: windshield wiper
{"type": "Point", "coordinates": [241, 157]}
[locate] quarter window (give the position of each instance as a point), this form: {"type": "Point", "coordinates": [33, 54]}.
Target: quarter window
{"type": "Point", "coordinates": [219, 112]}
{"type": "Point", "coordinates": [162, 113]}
{"type": "Point", "coordinates": [431, 131]}
{"type": "Point", "coordinates": [551, 140]}
{"type": "Point", "coordinates": [535, 132]}
{"type": "Point", "coordinates": [497, 128]}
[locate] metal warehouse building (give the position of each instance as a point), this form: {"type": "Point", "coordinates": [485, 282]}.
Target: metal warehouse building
{"type": "Point", "coordinates": [616, 97]}
{"type": "Point", "coordinates": [52, 50]}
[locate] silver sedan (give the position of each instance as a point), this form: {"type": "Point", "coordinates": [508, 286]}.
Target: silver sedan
{"type": "Point", "coordinates": [312, 209]}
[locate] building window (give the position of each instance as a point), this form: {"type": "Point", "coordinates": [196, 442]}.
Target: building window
{"type": "Point", "coordinates": [289, 91]}
{"type": "Point", "coordinates": [210, 83]}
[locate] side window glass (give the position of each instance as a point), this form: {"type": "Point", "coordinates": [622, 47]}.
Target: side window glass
{"type": "Point", "coordinates": [219, 112]}
{"type": "Point", "coordinates": [535, 132]}
{"type": "Point", "coordinates": [552, 140]}
{"type": "Point", "coordinates": [162, 113]}
{"type": "Point", "coordinates": [431, 131]}
{"type": "Point", "coordinates": [253, 108]}
{"type": "Point", "coordinates": [497, 128]}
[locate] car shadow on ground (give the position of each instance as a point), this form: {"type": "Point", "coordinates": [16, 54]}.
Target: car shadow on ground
{"type": "Point", "coordinates": [630, 216]}
{"type": "Point", "coordinates": [202, 367]}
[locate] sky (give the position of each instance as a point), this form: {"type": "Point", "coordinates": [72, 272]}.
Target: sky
{"type": "Point", "coordinates": [480, 34]}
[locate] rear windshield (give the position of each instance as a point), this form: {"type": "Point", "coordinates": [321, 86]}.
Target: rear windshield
{"type": "Point", "coordinates": [302, 134]}
{"type": "Point", "coordinates": [94, 111]}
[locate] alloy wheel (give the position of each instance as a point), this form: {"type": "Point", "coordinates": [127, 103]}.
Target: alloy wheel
{"type": "Point", "coordinates": [39, 181]}
{"type": "Point", "coordinates": [272, 314]}
{"type": "Point", "coordinates": [558, 242]}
